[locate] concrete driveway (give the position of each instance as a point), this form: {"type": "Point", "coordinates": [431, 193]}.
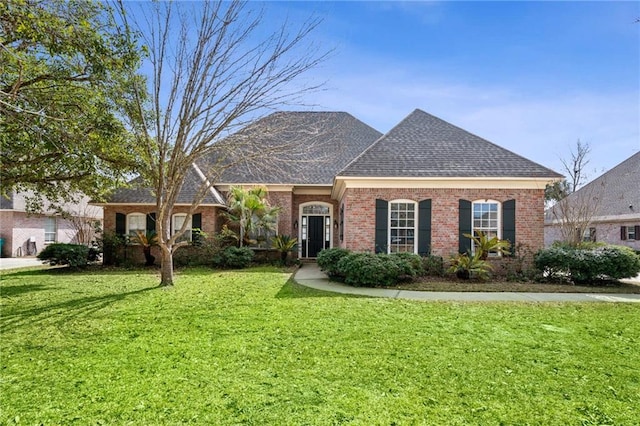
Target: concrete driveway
{"type": "Point", "coordinates": [18, 262]}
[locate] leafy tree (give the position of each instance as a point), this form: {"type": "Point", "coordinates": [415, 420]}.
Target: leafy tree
{"type": "Point", "coordinates": [64, 74]}
{"type": "Point", "coordinates": [215, 67]}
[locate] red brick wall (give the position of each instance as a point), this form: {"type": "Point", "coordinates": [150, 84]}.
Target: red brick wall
{"type": "Point", "coordinates": [301, 199]}
{"type": "Point", "coordinates": [284, 200]}
{"type": "Point", "coordinates": [359, 224]}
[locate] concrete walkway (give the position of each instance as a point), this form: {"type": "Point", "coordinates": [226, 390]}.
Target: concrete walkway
{"type": "Point", "coordinates": [311, 276]}
{"type": "Point", "coordinates": [19, 262]}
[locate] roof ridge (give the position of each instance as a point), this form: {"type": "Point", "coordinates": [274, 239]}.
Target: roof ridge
{"type": "Point", "coordinates": [377, 140]}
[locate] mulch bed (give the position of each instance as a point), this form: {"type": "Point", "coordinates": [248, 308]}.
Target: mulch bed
{"type": "Point", "coordinates": [454, 284]}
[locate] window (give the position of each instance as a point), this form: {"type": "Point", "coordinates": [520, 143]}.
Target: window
{"type": "Point", "coordinates": [589, 235]}
{"type": "Point", "coordinates": [485, 216]}
{"type": "Point", "coordinates": [176, 224]}
{"type": "Point", "coordinates": [631, 233]}
{"type": "Point", "coordinates": [315, 209]}
{"type": "Point", "coordinates": [402, 227]}
{"type": "Point", "coordinates": [50, 229]}
{"type": "Point", "coordinates": [136, 222]}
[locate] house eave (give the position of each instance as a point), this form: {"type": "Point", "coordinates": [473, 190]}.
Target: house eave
{"type": "Point", "coordinates": [342, 183]}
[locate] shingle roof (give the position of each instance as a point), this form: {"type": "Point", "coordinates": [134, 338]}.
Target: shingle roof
{"type": "Point", "coordinates": [617, 189]}
{"type": "Point", "coordinates": [138, 194]}
{"type": "Point", "coordinates": [296, 148]}
{"type": "Point", "coordinates": [422, 145]}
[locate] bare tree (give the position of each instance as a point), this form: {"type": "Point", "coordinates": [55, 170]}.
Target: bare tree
{"type": "Point", "coordinates": [576, 165]}
{"type": "Point", "coordinates": [215, 67]}
{"type": "Point", "coordinates": [83, 226]}
{"type": "Point", "coordinates": [575, 204]}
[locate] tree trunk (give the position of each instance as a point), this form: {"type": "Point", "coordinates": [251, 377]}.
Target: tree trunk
{"type": "Point", "coordinates": [166, 269]}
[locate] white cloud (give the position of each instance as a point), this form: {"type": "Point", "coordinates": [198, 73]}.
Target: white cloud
{"type": "Point", "coordinates": [539, 126]}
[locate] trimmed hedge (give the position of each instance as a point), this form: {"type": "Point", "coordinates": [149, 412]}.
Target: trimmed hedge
{"type": "Point", "coordinates": [328, 260]}
{"type": "Point", "coordinates": [588, 265]}
{"type": "Point", "coordinates": [368, 269]}
{"type": "Point", "coordinates": [74, 255]}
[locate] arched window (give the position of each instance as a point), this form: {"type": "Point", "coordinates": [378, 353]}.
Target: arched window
{"type": "Point", "coordinates": [136, 222]}
{"type": "Point", "coordinates": [403, 218]}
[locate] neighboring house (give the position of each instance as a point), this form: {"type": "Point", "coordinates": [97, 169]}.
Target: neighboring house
{"type": "Point", "coordinates": [416, 189]}
{"type": "Point", "coordinates": [26, 234]}
{"type": "Point", "coordinates": [613, 207]}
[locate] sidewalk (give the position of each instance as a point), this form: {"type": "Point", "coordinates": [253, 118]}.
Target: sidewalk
{"type": "Point", "coordinates": [311, 276]}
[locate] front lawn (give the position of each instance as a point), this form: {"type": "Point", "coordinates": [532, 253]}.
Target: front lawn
{"type": "Point", "coordinates": [254, 348]}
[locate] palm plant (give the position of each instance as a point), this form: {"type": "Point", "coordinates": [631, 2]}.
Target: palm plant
{"type": "Point", "coordinates": [250, 209]}
{"type": "Point", "coordinates": [146, 240]}
{"type": "Point", "coordinates": [466, 266]}
{"type": "Point", "coordinates": [484, 245]}
{"type": "Point", "coordinates": [284, 244]}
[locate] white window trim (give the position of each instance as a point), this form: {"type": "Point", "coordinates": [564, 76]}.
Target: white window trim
{"type": "Point", "coordinates": [55, 230]}
{"type": "Point", "coordinates": [415, 223]}
{"type": "Point", "coordinates": [499, 222]}
{"type": "Point", "coordinates": [175, 229]}
{"type": "Point", "coordinates": [129, 216]}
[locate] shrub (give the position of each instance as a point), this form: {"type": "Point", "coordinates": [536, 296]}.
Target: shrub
{"type": "Point", "coordinates": [410, 264]}
{"type": "Point", "coordinates": [236, 257]}
{"type": "Point", "coordinates": [433, 265]}
{"type": "Point", "coordinates": [112, 247]}
{"type": "Point", "coordinates": [328, 261]}
{"type": "Point", "coordinates": [369, 270]}
{"type": "Point", "coordinates": [74, 255]}
{"type": "Point", "coordinates": [587, 265]}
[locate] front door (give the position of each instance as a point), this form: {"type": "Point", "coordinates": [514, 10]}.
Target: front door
{"type": "Point", "coordinates": [315, 228]}
{"type": "Point", "coordinates": [316, 235]}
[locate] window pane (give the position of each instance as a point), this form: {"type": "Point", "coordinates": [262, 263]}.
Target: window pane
{"type": "Point", "coordinates": [137, 222]}
{"type": "Point", "coordinates": [485, 220]}
{"type": "Point", "coordinates": [50, 230]}
{"type": "Point", "coordinates": [402, 227]}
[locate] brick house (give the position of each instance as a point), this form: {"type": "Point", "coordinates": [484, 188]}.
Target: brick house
{"type": "Point", "coordinates": [417, 188]}
{"type": "Point", "coordinates": [26, 234]}
{"type": "Point", "coordinates": [615, 199]}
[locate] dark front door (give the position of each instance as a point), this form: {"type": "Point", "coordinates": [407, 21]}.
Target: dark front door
{"type": "Point", "coordinates": [316, 235]}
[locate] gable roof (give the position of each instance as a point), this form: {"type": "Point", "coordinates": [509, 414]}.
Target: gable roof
{"type": "Point", "coordinates": [422, 145]}
{"type": "Point", "coordinates": [307, 148]}
{"type": "Point", "coordinates": [139, 194]}
{"type": "Point", "coordinates": [616, 190]}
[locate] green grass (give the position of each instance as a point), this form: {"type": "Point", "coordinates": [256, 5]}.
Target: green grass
{"type": "Point", "coordinates": [255, 348]}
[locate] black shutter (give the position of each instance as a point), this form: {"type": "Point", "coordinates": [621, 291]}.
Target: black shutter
{"type": "Point", "coordinates": [121, 223]}
{"type": "Point", "coordinates": [196, 221]}
{"type": "Point", "coordinates": [637, 229]}
{"type": "Point", "coordinates": [424, 227]}
{"type": "Point", "coordinates": [509, 223]}
{"type": "Point", "coordinates": [151, 222]}
{"type": "Point", "coordinates": [623, 233]}
{"type": "Point", "coordinates": [464, 226]}
{"type": "Point", "coordinates": [382, 226]}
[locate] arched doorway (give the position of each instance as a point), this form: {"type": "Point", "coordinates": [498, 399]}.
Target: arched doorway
{"type": "Point", "coordinates": [315, 228]}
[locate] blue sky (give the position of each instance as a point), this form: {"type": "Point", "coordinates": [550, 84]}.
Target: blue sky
{"type": "Point", "coordinates": [532, 77]}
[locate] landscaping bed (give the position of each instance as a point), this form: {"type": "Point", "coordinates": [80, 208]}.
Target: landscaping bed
{"type": "Point", "coordinates": [445, 284]}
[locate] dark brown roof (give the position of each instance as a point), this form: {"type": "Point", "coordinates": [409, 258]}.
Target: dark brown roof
{"type": "Point", "coordinates": [295, 148]}
{"type": "Point", "coordinates": [422, 145]}
{"type": "Point", "coordinates": [139, 194]}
